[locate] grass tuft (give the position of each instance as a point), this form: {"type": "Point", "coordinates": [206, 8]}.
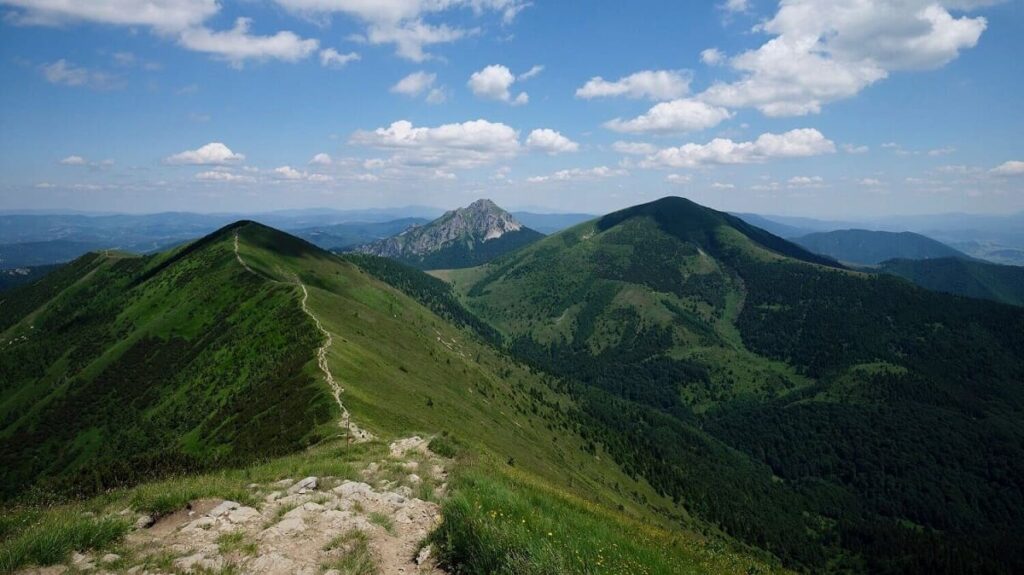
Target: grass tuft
{"type": "Point", "coordinates": [53, 537]}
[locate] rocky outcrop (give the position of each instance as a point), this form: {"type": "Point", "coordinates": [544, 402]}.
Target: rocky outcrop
{"type": "Point", "coordinates": [296, 527]}
{"type": "Point", "coordinates": [467, 228]}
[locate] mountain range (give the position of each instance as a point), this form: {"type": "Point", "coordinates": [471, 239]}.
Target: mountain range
{"type": "Point", "coordinates": [866, 247]}
{"type": "Point", "coordinates": [666, 387]}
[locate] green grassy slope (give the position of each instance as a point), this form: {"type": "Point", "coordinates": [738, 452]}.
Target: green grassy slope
{"type": "Point", "coordinates": [214, 365]}
{"type": "Point", "coordinates": [969, 278]}
{"type": "Point", "coordinates": [793, 402]}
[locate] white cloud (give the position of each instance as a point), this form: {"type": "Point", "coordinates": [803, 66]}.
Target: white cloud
{"type": "Point", "coordinates": [162, 15]}
{"type": "Point", "coordinates": [321, 159]}
{"type": "Point", "coordinates": [678, 179]}
{"type": "Point", "coordinates": [723, 186]}
{"type": "Point", "coordinates": [941, 151]}
{"type": "Point", "coordinates": [400, 22]}
{"type": "Point", "coordinates": [212, 154]}
{"type": "Point", "coordinates": [437, 95]}
{"type": "Point", "coordinates": [826, 51]}
{"type": "Point", "coordinates": [220, 176]}
{"type": "Point", "coordinates": [237, 45]}
{"type": "Point", "coordinates": [461, 145]}
{"type": "Point", "coordinates": [651, 84]}
{"type": "Point", "coordinates": [806, 182]}
{"type": "Point", "coordinates": [530, 73]}
{"type": "Point", "coordinates": [550, 142]}
{"type": "Point", "coordinates": [793, 144]}
{"type": "Point", "coordinates": [493, 83]}
{"type": "Point", "coordinates": [67, 74]}
{"type": "Point", "coordinates": [1011, 168]}
{"type": "Point", "coordinates": [634, 148]}
{"type": "Point", "coordinates": [599, 172]}
{"type": "Point", "coordinates": [331, 58]}
{"type": "Point", "coordinates": [735, 6]}
{"type": "Point", "coordinates": [870, 182]}
{"type": "Point", "coordinates": [854, 149]}
{"type": "Point", "coordinates": [712, 56]}
{"type": "Point", "coordinates": [414, 84]}
{"type": "Point", "coordinates": [677, 116]}
{"type": "Point", "coordinates": [289, 173]}
{"type": "Point", "coordinates": [74, 161]}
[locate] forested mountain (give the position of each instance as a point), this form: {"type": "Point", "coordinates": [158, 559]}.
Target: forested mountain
{"type": "Point", "coordinates": [210, 366]}
{"type": "Point", "coordinates": [14, 277]}
{"type": "Point", "coordinates": [867, 247]}
{"type": "Point", "coordinates": [460, 238]}
{"type": "Point", "coordinates": [971, 278]}
{"type": "Point", "coordinates": [842, 420]}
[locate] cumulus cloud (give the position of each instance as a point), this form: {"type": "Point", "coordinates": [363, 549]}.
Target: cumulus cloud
{"type": "Point", "coordinates": [401, 22]}
{"type": "Point", "coordinates": [237, 45]}
{"type": "Point", "coordinates": [1011, 168]}
{"type": "Point", "coordinates": [677, 116]}
{"type": "Point", "coordinates": [826, 51]}
{"type": "Point", "coordinates": [723, 186]}
{"type": "Point", "coordinates": [212, 154]}
{"type": "Point", "coordinates": [806, 182]}
{"type": "Point", "coordinates": [678, 179]}
{"type": "Point", "coordinates": [414, 84]}
{"type": "Point", "coordinates": [634, 148]}
{"type": "Point", "coordinates": [579, 174]}
{"type": "Point", "coordinates": [651, 84]}
{"type": "Point", "coordinates": [854, 149]}
{"type": "Point", "coordinates": [331, 58]}
{"type": "Point", "coordinates": [460, 145]}
{"type": "Point", "coordinates": [321, 159]}
{"type": "Point", "coordinates": [793, 144]}
{"type": "Point", "coordinates": [221, 176]}
{"type": "Point", "coordinates": [870, 182]}
{"type": "Point", "coordinates": [550, 142]}
{"type": "Point", "coordinates": [712, 56]}
{"type": "Point", "coordinates": [74, 161]}
{"type": "Point", "coordinates": [162, 15]}
{"type": "Point", "coordinates": [67, 74]}
{"type": "Point", "coordinates": [494, 83]}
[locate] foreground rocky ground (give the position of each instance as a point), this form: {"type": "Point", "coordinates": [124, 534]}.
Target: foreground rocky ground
{"type": "Point", "coordinates": [305, 525]}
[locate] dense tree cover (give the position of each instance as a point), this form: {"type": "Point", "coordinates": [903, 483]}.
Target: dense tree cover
{"type": "Point", "coordinates": [12, 278]}
{"type": "Point", "coordinates": [903, 455]}
{"type": "Point", "coordinates": [466, 254]}
{"type": "Point", "coordinates": [971, 278]}
{"type": "Point", "coordinates": [127, 367]}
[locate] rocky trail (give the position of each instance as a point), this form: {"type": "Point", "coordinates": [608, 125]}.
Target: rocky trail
{"type": "Point", "coordinates": [376, 524]}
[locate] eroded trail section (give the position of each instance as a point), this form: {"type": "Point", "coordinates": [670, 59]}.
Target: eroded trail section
{"type": "Point", "coordinates": [354, 433]}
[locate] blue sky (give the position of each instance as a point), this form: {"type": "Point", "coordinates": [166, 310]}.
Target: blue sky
{"type": "Point", "coordinates": [804, 107]}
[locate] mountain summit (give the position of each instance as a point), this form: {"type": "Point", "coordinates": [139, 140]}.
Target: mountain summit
{"type": "Point", "coordinates": [464, 237]}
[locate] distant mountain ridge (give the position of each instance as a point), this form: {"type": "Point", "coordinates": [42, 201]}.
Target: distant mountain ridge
{"type": "Point", "coordinates": [460, 238]}
{"type": "Point", "coordinates": [869, 247]}
{"type": "Point", "coordinates": [959, 276]}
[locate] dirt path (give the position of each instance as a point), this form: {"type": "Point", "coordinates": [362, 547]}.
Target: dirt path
{"type": "Point", "coordinates": [354, 433]}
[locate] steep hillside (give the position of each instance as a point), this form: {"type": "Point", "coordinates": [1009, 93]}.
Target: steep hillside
{"type": "Point", "coordinates": [795, 403]}
{"type": "Point", "coordinates": [866, 247]}
{"type": "Point", "coordinates": [15, 277]}
{"type": "Point", "coordinates": [971, 278]}
{"type": "Point", "coordinates": [460, 238]}
{"type": "Point", "coordinates": [216, 360]}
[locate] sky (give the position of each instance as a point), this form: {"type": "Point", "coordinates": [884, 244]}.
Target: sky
{"type": "Point", "coordinates": [841, 108]}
